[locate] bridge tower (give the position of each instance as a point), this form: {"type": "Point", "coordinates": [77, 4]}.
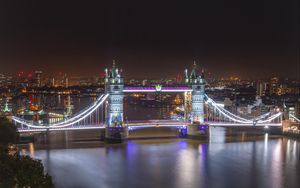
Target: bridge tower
{"type": "Point", "coordinates": [197, 83]}
{"type": "Point", "coordinates": [196, 116]}
{"type": "Point", "coordinates": [114, 86]}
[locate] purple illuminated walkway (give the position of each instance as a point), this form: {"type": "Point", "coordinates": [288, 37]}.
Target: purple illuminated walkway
{"type": "Point", "coordinates": [156, 89]}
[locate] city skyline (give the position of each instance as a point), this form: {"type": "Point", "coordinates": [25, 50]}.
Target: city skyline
{"type": "Point", "coordinates": [244, 39]}
{"type": "Point", "coordinates": [149, 94]}
{"type": "Point", "coordinates": [31, 74]}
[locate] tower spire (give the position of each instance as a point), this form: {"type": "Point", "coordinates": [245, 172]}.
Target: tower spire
{"type": "Point", "coordinates": [202, 74]}
{"type": "Point", "coordinates": [194, 71]}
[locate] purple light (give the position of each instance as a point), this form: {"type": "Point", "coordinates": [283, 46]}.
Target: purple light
{"type": "Point", "coordinates": [154, 89]}
{"type": "Point", "coordinates": [139, 88]}
{"type": "Point", "coordinates": [175, 88]}
{"type": "Point", "coordinates": [202, 127]}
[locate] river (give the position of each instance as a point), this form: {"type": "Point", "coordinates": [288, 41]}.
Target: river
{"type": "Point", "coordinates": [80, 160]}
{"type": "Point", "coordinates": [263, 162]}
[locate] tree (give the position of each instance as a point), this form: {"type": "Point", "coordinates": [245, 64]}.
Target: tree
{"type": "Point", "coordinates": [6, 172]}
{"type": "Point", "coordinates": [16, 170]}
{"type": "Point", "coordinates": [31, 173]}
{"type": "Point", "coordinates": [8, 132]}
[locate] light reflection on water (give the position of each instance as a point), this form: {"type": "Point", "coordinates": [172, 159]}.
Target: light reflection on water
{"type": "Point", "coordinates": [173, 163]}
{"type": "Point", "coordinates": [177, 163]}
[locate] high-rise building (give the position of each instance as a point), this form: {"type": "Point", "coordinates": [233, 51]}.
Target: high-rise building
{"type": "Point", "coordinates": [53, 82]}
{"type": "Point", "coordinates": [65, 81]}
{"type": "Point", "coordinates": [282, 89]}
{"type": "Point", "coordinates": [38, 78]}
{"type": "Point", "coordinates": [274, 83]}
{"type": "Point", "coordinates": [261, 88]}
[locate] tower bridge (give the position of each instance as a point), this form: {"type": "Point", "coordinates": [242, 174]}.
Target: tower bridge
{"type": "Point", "coordinates": [201, 111]}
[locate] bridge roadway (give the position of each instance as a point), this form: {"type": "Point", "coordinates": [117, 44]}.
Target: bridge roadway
{"type": "Point", "coordinates": [147, 124]}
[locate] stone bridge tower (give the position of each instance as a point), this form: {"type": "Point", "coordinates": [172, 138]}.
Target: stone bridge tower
{"type": "Point", "coordinates": [116, 131]}
{"type": "Point", "coordinates": [114, 85]}
{"type": "Point", "coordinates": [197, 83]}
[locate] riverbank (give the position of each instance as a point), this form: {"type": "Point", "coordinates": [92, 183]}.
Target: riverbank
{"type": "Point", "coordinates": [292, 134]}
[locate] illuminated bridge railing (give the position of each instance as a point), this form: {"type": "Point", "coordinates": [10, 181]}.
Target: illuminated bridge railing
{"type": "Point", "coordinates": [87, 117]}
{"type": "Point", "coordinates": [131, 126]}
{"type": "Point", "coordinates": [294, 117]}
{"type": "Point", "coordinates": [156, 89]}
{"type": "Point", "coordinates": [219, 116]}
{"type": "Point", "coordinates": [77, 127]}
{"type": "Point", "coordinates": [230, 124]}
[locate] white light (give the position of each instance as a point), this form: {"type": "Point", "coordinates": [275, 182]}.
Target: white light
{"type": "Point", "coordinates": [80, 113]}
{"type": "Point", "coordinates": [238, 119]}
{"type": "Point", "coordinates": [270, 118]}
{"type": "Point", "coordinates": [219, 104]}
{"type": "Point", "coordinates": [294, 117]}
{"type": "Point", "coordinates": [71, 121]}
{"type": "Point", "coordinates": [223, 111]}
{"type": "Point", "coordinates": [246, 125]}
{"type": "Point", "coordinates": [231, 118]}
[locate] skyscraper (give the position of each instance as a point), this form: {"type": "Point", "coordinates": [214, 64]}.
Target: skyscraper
{"type": "Point", "coordinates": [38, 78]}
{"type": "Point", "coordinates": [274, 83]}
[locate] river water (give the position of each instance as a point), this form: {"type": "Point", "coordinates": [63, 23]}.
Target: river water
{"type": "Point", "coordinates": [237, 160]}
{"type": "Point", "coordinates": [264, 162]}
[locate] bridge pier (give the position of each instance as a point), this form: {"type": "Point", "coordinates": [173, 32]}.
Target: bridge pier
{"type": "Point", "coordinates": [115, 134]}
{"type": "Point", "coordinates": [273, 130]}
{"type": "Point", "coordinates": [183, 131]}
{"type": "Point", "coordinates": [198, 131]}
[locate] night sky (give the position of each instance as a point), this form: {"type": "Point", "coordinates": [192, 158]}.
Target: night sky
{"type": "Point", "coordinates": [246, 38]}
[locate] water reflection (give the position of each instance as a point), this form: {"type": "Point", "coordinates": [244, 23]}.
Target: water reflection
{"type": "Point", "coordinates": [31, 149]}
{"type": "Point", "coordinates": [276, 163]}
{"type": "Point", "coordinates": [217, 134]}
{"type": "Point", "coordinates": [176, 163]}
{"type": "Point", "coordinates": [294, 149]}
{"type": "Point", "coordinates": [185, 166]}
